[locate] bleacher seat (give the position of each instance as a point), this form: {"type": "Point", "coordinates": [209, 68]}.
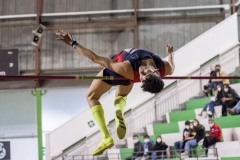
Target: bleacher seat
{"type": "Point", "coordinates": [228, 149]}
{"type": "Point", "coordinates": [236, 133]}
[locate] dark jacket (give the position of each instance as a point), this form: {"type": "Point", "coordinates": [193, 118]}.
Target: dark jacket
{"type": "Point", "coordinates": [160, 147]}
{"type": "Point", "coordinates": [138, 149]}
{"type": "Point", "coordinates": [231, 94]}
{"type": "Point", "coordinates": [150, 146]}
{"type": "Point", "coordinates": [184, 131]}
{"type": "Point", "coordinates": [219, 97]}
{"type": "Point", "coordinates": [200, 132]}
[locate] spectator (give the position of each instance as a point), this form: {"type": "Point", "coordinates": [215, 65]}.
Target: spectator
{"type": "Point", "coordinates": [220, 73]}
{"type": "Point", "coordinates": [198, 132]}
{"type": "Point", "coordinates": [186, 132]}
{"type": "Point", "coordinates": [235, 110]}
{"type": "Point", "coordinates": [208, 88]}
{"type": "Point", "coordinates": [214, 136]}
{"type": "Point", "coordinates": [160, 149]}
{"type": "Point", "coordinates": [229, 100]}
{"type": "Point", "coordinates": [148, 148]}
{"type": "Point", "coordinates": [209, 107]}
{"type": "Point", "coordinates": [137, 150]}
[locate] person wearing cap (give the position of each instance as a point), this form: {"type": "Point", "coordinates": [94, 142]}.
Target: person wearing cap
{"type": "Point", "coordinates": [213, 137]}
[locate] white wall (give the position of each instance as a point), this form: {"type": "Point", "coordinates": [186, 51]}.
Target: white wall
{"type": "Point", "coordinates": [18, 119]}
{"type": "Point", "coordinates": [60, 105]}
{"type": "Point", "coordinates": [23, 149]}
{"type": "Point", "coordinates": [17, 113]}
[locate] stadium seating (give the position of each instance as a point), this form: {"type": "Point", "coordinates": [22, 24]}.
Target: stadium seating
{"type": "Point", "coordinates": [228, 149]}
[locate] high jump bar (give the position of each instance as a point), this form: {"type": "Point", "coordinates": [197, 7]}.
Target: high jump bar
{"type": "Point", "coordinates": [82, 77]}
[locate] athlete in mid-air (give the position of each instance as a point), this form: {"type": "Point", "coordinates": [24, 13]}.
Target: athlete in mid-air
{"type": "Point", "coordinates": [132, 65]}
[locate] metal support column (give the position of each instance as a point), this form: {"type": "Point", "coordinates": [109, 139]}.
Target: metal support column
{"type": "Point", "coordinates": [39, 8]}
{"type": "Point", "coordinates": [233, 7]}
{"type": "Point", "coordinates": [135, 29]}
{"type": "Point", "coordinates": [38, 94]}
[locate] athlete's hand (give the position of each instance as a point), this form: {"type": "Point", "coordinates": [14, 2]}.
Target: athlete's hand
{"type": "Point", "coordinates": [169, 49]}
{"type": "Point", "coordinates": [64, 36]}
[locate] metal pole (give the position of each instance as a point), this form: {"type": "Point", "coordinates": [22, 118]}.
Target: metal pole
{"type": "Point", "coordinates": [77, 77]}
{"type": "Point", "coordinates": [39, 8]}
{"type": "Point", "coordinates": [38, 95]}
{"type": "Point", "coordinates": [233, 7]}
{"type": "Point", "coordinates": [136, 27]}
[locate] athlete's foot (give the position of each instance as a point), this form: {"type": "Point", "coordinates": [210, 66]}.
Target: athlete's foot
{"type": "Point", "coordinates": [103, 145]}
{"type": "Point", "coordinates": [120, 124]}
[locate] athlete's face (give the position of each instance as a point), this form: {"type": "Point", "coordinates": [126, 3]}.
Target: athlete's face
{"type": "Point", "coordinates": [145, 71]}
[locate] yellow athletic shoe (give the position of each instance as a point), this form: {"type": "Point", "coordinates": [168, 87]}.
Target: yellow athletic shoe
{"type": "Point", "coordinates": [120, 124]}
{"type": "Point", "coordinates": [103, 145]}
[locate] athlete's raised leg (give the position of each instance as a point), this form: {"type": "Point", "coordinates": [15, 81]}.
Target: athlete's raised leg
{"type": "Point", "coordinates": [120, 103]}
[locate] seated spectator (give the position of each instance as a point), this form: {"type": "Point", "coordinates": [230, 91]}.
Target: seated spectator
{"type": "Point", "coordinates": [148, 148]}
{"type": "Point", "coordinates": [186, 132]}
{"type": "Point", "coordinates": [198, 132]}
{"type": "Point", "coordinates": [214, 136]}
{"type": "Point", "coordinates": [138, 150]}
{"type": "Point", "coordinates": [209, 107]}
{"type": "Point", "coordinates": [229, 100]}
{"type": "Point", "coordinates": [235, 110]}
{"type": "Point", "coordinates": [160, 149]}
{"type": "Point", "coordinates": [220, 73]}
{"type": "Point", "coordinates": [210, 86]}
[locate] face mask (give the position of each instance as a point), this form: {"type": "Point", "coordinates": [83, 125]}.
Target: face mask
{"type": "Point", "coordinates": [159, 140]}
{"type": "Point", "coordinates": [211, 124]}
{"type": "Point", "coordinates": [226, 89]}
{"type": "Point", "coordinates": [135, 141]}
{"type": "Point", "coordinates": [187, 127]}
{"type": "Point", "coordinates": [195, 123]}
{"type": "Point", "coordinates": [146, 140]}
{"type": "Point", "coordinates": [219, 89]}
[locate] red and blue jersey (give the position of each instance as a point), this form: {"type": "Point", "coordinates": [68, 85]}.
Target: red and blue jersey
{"type": "Point", "coordinates": [134, 56]}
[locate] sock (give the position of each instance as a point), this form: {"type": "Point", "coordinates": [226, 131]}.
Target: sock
{"type": "Point", "coordinates": [98, 114]}
{"type": "Point", "coordinates": [120, 103]}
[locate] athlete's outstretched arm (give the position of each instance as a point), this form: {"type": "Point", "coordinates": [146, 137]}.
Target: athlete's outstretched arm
{"type": "Point", "coordinates": [68, 39]}
{"type": "Point", "coordinates": [169, 50]}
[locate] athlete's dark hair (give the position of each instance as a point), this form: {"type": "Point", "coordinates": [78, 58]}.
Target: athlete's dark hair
{"type": "Point", "coordinates": [153, 84]}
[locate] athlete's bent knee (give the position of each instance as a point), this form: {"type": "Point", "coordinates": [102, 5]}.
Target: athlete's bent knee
{"type": "Point", "coordinates": [92, 98]}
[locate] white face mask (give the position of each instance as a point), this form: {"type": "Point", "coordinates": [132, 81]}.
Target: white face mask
{"type": "Point", "coordinates": [146, 140]}
{"type": "Point", "coordinates": [211, 124]}
{"type": "Point", "coordinates": [219, 89]}
{"type": "Point", "coordinates": [135, 141]}
{"type": "Point", "coordinates": [159, 140]}
{"type": "Point", "coordinates": [226, 89]}
{"type": "Point", "coordinates": [187, 127]}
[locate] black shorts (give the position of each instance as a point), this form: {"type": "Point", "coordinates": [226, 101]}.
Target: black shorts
{"type": "Point", "coordinates": [107, 72]}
